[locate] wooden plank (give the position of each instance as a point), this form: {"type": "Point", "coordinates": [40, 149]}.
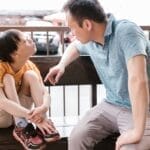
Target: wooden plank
{"type": "Point", "coordinates": [35, 28]}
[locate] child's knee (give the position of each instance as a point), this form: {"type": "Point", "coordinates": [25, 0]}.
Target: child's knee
{"type": "Point", "coordinates": [8, 78]}
{"type": "Point", "coordinates": [6, 119]}
{"type": "Point", "coordinates": [30, 75]}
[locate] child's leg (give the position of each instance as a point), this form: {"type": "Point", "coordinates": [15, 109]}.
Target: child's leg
{"type": "Point", "coordinates": [23, 132]}
{"type": "Point", "coordinates": [36, 88]}
{"type": "Point", "coordinates": [6, 119]}
{"type": "Point", "coordinates": [11, 93]}
{"type": "Point", "coordinates": [37, 93]}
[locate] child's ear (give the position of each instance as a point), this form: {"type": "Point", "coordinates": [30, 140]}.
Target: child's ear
{"type": "Point", "coordinates": [87, 24]}
{"type": "Point", "coordinates": [14, 54]}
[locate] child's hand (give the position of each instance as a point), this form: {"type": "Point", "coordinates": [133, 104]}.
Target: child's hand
{"type": "Point", "coordinates": [46, 126]}
{"type": "Point", "coordinates": [37, 114]}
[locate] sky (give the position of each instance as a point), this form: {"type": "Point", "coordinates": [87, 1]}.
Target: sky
{"type": "Point", "coordinates": [135, 10]}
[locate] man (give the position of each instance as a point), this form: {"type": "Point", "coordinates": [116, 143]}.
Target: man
{"type": "Point", "coordinates": [118, 49]}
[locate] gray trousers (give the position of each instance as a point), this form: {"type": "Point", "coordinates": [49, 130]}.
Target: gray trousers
{"type": "Point", "coordinates": [101, 121]}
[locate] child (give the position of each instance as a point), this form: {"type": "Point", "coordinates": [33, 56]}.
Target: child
{"type": "Point", "coordinates": [21, 85]}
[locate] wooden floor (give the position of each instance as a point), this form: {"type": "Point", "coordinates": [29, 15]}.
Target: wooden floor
{"type": "Point", "coordinates": [7, 141]}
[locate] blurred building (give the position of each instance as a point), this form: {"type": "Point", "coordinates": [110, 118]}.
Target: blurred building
{"type": "Point", "coordinates": [21, 17]}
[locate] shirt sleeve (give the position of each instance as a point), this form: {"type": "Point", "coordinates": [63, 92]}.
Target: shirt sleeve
{"type": "Point", "coordinates": [132, 40]}
{"type": "Point", "coordinates": [2, 72]}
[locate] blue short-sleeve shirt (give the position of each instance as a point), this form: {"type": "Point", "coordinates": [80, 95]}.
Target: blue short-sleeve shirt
{"type": "Point", "coordinates": [123, 40]}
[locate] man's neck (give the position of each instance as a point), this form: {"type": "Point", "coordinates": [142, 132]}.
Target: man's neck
{"type": "Point", "coordinates": [99, 32]}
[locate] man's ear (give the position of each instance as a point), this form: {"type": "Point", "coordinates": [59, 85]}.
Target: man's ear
{"type": "Point", "coordinates": [87, 24]}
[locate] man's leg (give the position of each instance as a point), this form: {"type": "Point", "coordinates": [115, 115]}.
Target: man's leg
{"type": "Point", "coordinates": [97, 124]}
{"type": "Point", "coordinates": [125, 122]}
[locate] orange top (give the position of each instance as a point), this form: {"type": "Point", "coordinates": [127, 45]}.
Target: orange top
{"type": "Point", "coordinates": [6, 68]}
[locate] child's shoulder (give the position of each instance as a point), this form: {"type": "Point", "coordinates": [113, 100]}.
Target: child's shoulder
{"type": "Point", "coordinates": [30, 64]}
{"type": "Point", "coordinates": [3, 64]}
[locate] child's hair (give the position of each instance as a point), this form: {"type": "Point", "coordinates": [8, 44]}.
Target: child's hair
{"type": "Point", "coordinates": [9, 40]}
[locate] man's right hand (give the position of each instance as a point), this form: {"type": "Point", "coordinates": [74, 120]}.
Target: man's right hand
{"type": "Point", "coordinates": [55, 74]}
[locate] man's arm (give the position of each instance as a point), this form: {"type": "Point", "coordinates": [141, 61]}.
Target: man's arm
{"type": "Point", "coordinates": [139, 96]}
{"type": "Point", "coordinates": [55, 73]}
{"type": "Point", "coordinates": [139, 92]}
{"type": "Point", "coordinates": [69, 55]}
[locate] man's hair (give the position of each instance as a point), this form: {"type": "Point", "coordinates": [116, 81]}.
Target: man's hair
{"type": "Point", "coordinates": [9, 40]}
{"type": "Point", "coordinates": [85, 9]}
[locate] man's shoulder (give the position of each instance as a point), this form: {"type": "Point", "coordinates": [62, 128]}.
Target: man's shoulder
{"type": "Point", "coordinates": [126, 25]}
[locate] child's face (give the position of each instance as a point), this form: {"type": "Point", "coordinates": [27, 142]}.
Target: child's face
{"type": "Point", "coordinates": [26, 47]}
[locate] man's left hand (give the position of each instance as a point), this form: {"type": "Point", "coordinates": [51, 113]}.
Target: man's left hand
{"type": "Point", "coordinates": [128, 137]}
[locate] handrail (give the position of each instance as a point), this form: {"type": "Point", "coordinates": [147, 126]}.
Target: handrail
{"type": "Point", "coordinates": [145, 27]}
{"type": "Point", "coordinates": [35, 28]}
{"type": "Point", "coordinates": [45, 28]}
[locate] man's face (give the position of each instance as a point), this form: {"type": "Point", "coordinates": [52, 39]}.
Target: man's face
{"type": "Point", "coordinates": [79, 32]}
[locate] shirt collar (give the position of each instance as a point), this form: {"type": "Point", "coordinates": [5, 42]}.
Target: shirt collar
{"type": "Point", "coordinates": [109, 26]}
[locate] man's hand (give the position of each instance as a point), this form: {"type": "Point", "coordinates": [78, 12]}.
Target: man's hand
{"type": "Point", "coordinates": [55, 74]}
{"type": "Point", "coordinates": [128, 137]}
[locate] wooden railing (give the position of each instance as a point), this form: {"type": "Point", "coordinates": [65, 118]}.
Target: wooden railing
{"type": "Point", "coordinates": [146, 29]}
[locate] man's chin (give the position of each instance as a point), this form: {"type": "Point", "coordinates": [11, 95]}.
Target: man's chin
{"type": "Point", "coordinates": [83, 41]}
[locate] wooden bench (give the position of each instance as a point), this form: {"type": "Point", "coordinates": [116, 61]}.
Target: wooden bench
{"type": "Point", "coordinates": [79, 72]}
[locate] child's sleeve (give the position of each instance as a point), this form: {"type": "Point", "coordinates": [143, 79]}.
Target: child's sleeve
{"type": "Point", "coordinates": [2, 72]}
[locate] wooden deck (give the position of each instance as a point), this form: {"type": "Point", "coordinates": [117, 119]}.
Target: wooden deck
{"type": "Point", "coordinates": [7, 141]}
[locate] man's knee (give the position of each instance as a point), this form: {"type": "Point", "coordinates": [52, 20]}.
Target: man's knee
{"type": "Point", "coordinates": [80, 137]}
{"type": "Point", "coordinates": [6, 119]}
{"type": "Point", "coordinates": [76, 135]}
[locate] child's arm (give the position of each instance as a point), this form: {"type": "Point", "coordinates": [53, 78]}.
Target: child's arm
{"type": "Point", "coordinates": [12, 107]}
{"type": "Point", "coordinates": [39, 113]}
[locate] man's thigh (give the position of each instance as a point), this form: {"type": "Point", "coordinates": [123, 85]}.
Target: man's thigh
{"type": "Point", "coordinates": [98, 123]}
